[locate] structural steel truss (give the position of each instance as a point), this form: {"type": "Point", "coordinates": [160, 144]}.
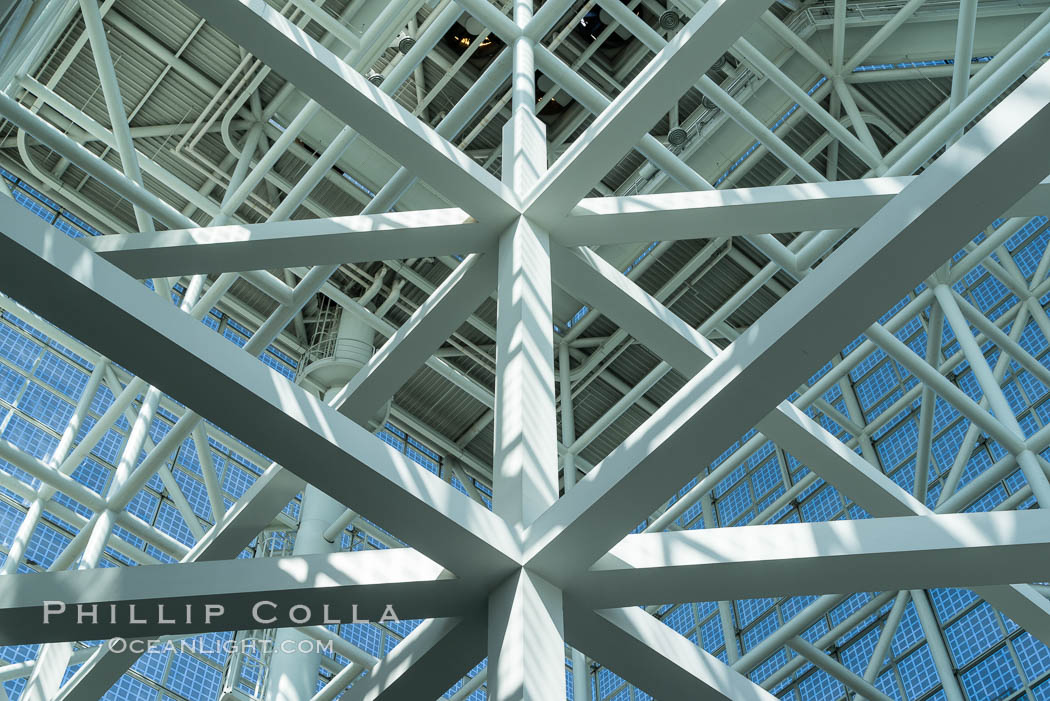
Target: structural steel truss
{"type": "Point", "coordinates": [543, 569]}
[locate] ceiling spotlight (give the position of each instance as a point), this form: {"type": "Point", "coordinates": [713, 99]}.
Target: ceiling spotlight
{"type": "Point", "coordinates": [677, 136]}
{"type": "Point", "coordinates": [405, 42]}
{"type": "Point", "coordinates": [669, 19]}
{"type": "Point", "coordinates": [463, 34]}
{"type": "Point", "coordinates": [375, 78]}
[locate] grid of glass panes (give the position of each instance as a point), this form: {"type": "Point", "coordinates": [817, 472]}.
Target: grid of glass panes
{"type": "Point", "coordinates": [993, 658]}
{"type": "Point", "coordinates": [41, 380]}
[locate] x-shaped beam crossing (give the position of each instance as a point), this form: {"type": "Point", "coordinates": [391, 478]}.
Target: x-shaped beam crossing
{"type": "Point", "coordinates": [540, 570]}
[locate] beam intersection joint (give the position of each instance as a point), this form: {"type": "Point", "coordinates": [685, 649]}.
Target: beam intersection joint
{"type": "Point", "coordinates": [551, 569]}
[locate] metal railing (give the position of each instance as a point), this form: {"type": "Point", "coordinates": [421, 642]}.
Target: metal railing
{"type": "Point", "coordinates": [331, 347]}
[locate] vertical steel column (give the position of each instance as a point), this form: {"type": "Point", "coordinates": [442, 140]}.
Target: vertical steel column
{"type": "Point", "coordinates": [963, 56]}
{"type": "Point", "coordinates": [725, 608]}
{"type": "Point", "coordinates": [525, 629]}
{"type": "Point", "coordinates": [292, 674]}
{"type": "Point", "coordinates": [525, 459]}
{"type": "Point", "coordinates": [581, 685]}
{"type": "Point", "coordinates": [938, 650]}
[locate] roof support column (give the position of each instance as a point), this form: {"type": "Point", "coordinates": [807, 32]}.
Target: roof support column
{"type": "Point", "coordinates": [525, 633]}
{"type": "Point", "coordinates": [293, 675]}
{"type": "Point", "coordinates": [525, 476]}
{"type": "Point", "coordinates": [581, 686]}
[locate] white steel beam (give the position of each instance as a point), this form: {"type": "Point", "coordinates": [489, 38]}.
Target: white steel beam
{"type": "Point", "coordinates": [426, 663]}
{"type": "Point", "coordinates": [241, 523]}
{"type": "Point", "coordinates": [276, 486]}
{"type": "Point", "coordinates": [880, 554]}
{"type": "Point", "coordinates": [274, 245]}
{"type": "Point", "coordinates": [738, 212]}
{"type": "Point", "coordinates": [344, 92]}
{"type": "Point", "coordinates": [525, 460]}
{"type": "Point", "coordinates": [984, 173]}
{"type": "Point", "coordinates": [526, 640]}
{"type": "Point", "coordinates": [261, 504]}
{"type": "Point", "coordinates": [662, 81]}
{"type": "Point", "coordinates": [406, 351]}
{"type": "Point", "coordinates": [101, 305]}
{"type": "Point", "coordinates": [110, 602]}
{"type": "Point", "coordinates": [654, 657]}
{"type": "Point", "coordinates": [590, 277]}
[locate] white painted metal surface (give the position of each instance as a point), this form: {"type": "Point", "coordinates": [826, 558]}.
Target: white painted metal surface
{"type": "Point", "coordinates": [545, 571]}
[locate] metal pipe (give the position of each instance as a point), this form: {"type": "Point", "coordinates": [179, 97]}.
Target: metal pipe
{"type": "Point", "coordinates": [837, 670]}
{"type": "Point", "coordinates": [118, 119]}
{"type": "Point", "coordinates": [993, 392]}
{"type": "Point", "coordinates": [934, 331]}
{"type": "Point", "coordinates": [902, 16]}
{"type": "Point", "coordinates": [392, 298]}
{"type": "Point", "coordinates": [963, 55]}
{"type": "Point", "coordinates": [935, 643]}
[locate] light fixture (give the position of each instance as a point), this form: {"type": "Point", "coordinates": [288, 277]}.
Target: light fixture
{"type": "Point", "coordinates": [405, 42]}
{"type": "Point", "coordinates": [669, 19]}
{"type": "Point", "coordinates": [677, 136]}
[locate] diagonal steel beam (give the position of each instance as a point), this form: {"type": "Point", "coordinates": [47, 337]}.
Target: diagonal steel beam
{"type": "Point", "coordinates": [275, 245]}
{"type": "Point", "coordinates": [225, 595]}
{"type": "Point", "coordinates": [880, 554]}
{"type": "Point", "coordinates": [52, 274]}
{"type": "Point", "coordinates": [653, 657]}
{"type": "Point", "coordinates": [359, 400]}
{"type": "Point", "coordinates": [341, 90]}
{"type": "Point", "coordinates": [432, 658]}
{"type": "Point", "coordinates": [591, 278]}
{"type": "Point", "coordinates": [456, 298]}
{"type": "Point", "coordinates": [241, 523]}
{"type": "Point", "coordinates": [588, 276]}
{"type": "Point", "coordinates": [696, 46]}
{"type": "Point", "coordinates": [982, 175]}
